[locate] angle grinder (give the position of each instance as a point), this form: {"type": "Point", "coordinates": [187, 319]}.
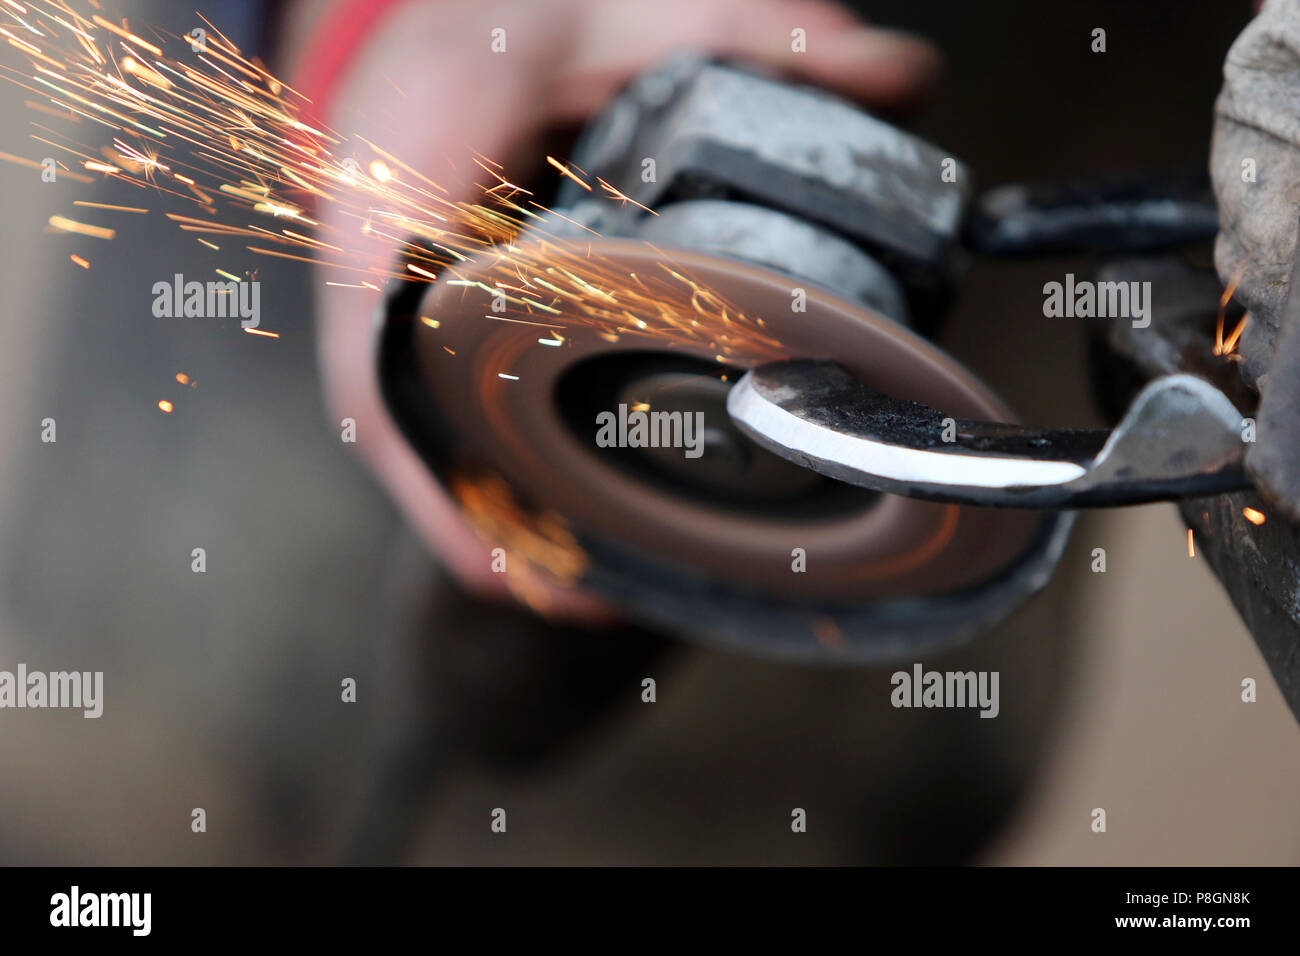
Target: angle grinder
{"type": "Point", "coordinates": [787, 255]}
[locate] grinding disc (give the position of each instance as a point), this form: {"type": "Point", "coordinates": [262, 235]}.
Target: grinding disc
{"type": "Point", "coordinates": [493, 383]}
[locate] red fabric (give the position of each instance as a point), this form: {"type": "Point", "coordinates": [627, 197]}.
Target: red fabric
{"type": "Point", "coordinates": [333, 47]}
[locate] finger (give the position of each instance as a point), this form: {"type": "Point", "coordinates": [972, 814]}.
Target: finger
{"type": "Point", "coordinates": [882, 68]}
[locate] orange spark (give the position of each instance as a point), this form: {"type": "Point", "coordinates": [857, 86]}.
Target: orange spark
{"type": "Point", "coordinates": [114, 28]}
{"type": "Point", "coordinates": [564, 170]}
{"type": "Point", "coordinates": [104, 205]}
{"type": "Point", "coordinates": [63, 224]}
{"type": "Point", "coordinates": [622, 197]}
{"type": "Point", "coordinates": [1226, 297]}
{"type": "Point", "coordinates": [1230, 344]}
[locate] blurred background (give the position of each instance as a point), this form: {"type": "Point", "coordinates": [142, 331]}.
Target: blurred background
{"type": "Point", "coordinates": [1119, 690]}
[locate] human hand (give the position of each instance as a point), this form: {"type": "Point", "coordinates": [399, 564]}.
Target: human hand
{"type": "Point", "coordinates": [427, 86]}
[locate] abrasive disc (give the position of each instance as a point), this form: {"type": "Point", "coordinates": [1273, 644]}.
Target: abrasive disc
{"type": "Point", "coordinates": [496, 380]}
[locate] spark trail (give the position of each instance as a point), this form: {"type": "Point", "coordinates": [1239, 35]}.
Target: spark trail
{"type": "Point", "coordinates": [217, 129]}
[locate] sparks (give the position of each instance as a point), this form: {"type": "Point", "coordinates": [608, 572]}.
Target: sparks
{"type": "Point", "coordinates": [1230, 343]}
{"type": "Point", "coordinates": [1220, 346]}
{"type": "Point", "coordinates": [622, 198]}
{"type": "Point", "coordinates": [223, 136]}
{"type": "Point", "coordinates": [63, 224]}
{"type": "Point", "coordinates": [103, 205]}
{"type": "Point", "coordinates": [1253, 516]}
{"type": "Point", "coordinates": [565, 171]}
